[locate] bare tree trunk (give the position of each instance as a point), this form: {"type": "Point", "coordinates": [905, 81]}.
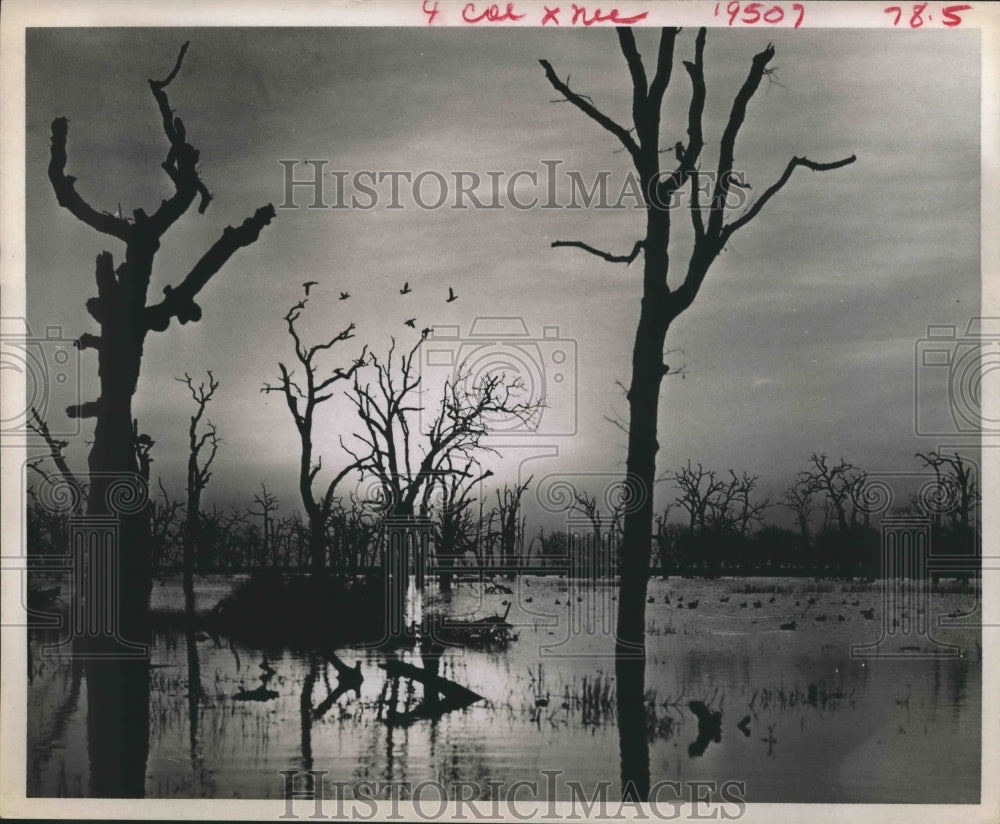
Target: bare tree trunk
{"type": "Point", "coordinates": [643, 400]}
{"type": "Point", "coordinates": [661, 304]}
{"type": "Point", "coordinates": [117, 689]}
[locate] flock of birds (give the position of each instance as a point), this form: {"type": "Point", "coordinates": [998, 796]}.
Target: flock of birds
{"type": "Point", "coordinates": [406, 290]}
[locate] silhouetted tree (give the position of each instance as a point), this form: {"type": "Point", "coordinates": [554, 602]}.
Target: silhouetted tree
{"type": "Point", "coordinates": [404, 454]}
{"type": "Point", "coordinates": [838, 483]}
{"type": "Point", "coordinates": [302, 400]}
{"type": "Point", "coordinates": [404, 458]}
{"type": "Point", "coordinates": [661, 304]}
{"type": "Point", "coordinates": [957, 481]}
{"type": "Point", "coordinates": [699, 489]}
{"type": "Point", "coordinates": [77, 487]}
{"type": "Point", "coordinates": [586, 505]}
{"type": "Point", "coordinates": [456, 526]}
{"type": "Point", "coordinates": [747, 511]}
{"type": "Point", "coordinates": [666, 538]}
{"type": "Point", "coordinates": [956, 493]}
{"type": "Point", "coordinates": [165, 530]}
{"type": "Point", "coordinates": [511, 523]}
{"type": "Point", "coordinates": [198, 473]}
{"type": "Point", "coordinates": [117, 690]}
{"type": "Point", "coordinates": [799, 499]}
{"type": "Point", "coordinates": [267, 504]}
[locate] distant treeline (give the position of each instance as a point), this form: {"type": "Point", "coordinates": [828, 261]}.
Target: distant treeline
{"type": "Point", "coordinates": [723, 529]}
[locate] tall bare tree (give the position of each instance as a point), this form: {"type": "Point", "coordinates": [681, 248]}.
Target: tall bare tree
{"type": "Point", "coordinates": [662, 304]}
{"type": "Point", "coordinates": [302, 400]}
{"type": "Point", "coordinates": [202, 448]}
{"type": "Point", "coordinates": [118, 725]}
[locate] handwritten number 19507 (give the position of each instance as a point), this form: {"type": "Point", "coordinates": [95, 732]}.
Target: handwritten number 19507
{"type": "Point", "coordinates": [753, 13]}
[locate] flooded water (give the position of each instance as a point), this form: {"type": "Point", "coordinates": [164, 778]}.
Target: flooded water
{"type": "Point", "coordinates": [823, 726]}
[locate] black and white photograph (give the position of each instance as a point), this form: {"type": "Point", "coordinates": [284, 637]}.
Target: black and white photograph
{"type": "Point", "coordinates": [535, 410]}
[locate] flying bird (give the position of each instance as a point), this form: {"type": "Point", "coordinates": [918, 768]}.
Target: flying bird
{"type": "Point", "coordinates": [345, 295]}
{"type": "Point", "coordinates": [451, 295]}
{"type": "Point", "coordinates": [412, 323]}
{"type": "Point", "coordinates": [308, 285]}
{"type": "Point", "coordinates": [406, 289]}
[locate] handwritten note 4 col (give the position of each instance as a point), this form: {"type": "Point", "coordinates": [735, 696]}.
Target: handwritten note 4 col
{"type": "Point", "coordinates": [572, 15]}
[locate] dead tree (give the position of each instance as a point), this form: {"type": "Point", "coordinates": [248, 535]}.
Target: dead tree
{"type": "Point", "coordinates": [125, 318]}
{"type": "Point", "coordinates": [198, 472]}
{"type": "Point", "coordinates": [746, 511]}
{"type": "Point", "coordinates": [302, 400]}
{"type": "Point", "coordinates": [456, 527]}
{"type": "Point", "coordinates": [164, 527]}
{"type": "Point", "coordinates": [799, 499]}
{"type": "Point", "coordinates": [405, 458]}
{"type": "Point", "coordinates": [405, 454]}
{"type": "Point", "coordinates": [699, 489]}
{"type": "Point", "coordinates": [119, 726]}
{"type": "Point", "coordinates": [586, 505]}
{"type": "Point", "coordinates": [661, 304]}
{"type": "Point", "coordinates": [511, 532]}
{"type": "Point", "coordinates": [956, 482]}
{"type": "Point", "coordinates": [838, 483]}
{"type": "Point", "coordinates": [77, 488]}
{"type": "Point", "coordinates": [268, 504]}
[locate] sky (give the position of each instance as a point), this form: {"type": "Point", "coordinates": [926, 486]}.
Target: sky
{"type": "Point", "coordinates": [804, 337]}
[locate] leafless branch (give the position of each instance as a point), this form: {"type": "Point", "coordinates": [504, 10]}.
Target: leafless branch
{"type": "Point", "coordinates": [591, 110]}
{"type": "Point", "coordinates": [759, 204]}
{"type": "Point", "coordinates": [610, 258]}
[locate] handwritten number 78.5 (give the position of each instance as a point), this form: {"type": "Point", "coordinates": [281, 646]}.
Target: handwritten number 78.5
{"type": "Point", "coordinates": [950, 15]}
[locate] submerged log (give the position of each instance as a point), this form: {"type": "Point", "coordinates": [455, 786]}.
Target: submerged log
{"type": "Point", "coordinates": [453, 696]}
{"type": "Point", "coordinates": [449, 689]}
